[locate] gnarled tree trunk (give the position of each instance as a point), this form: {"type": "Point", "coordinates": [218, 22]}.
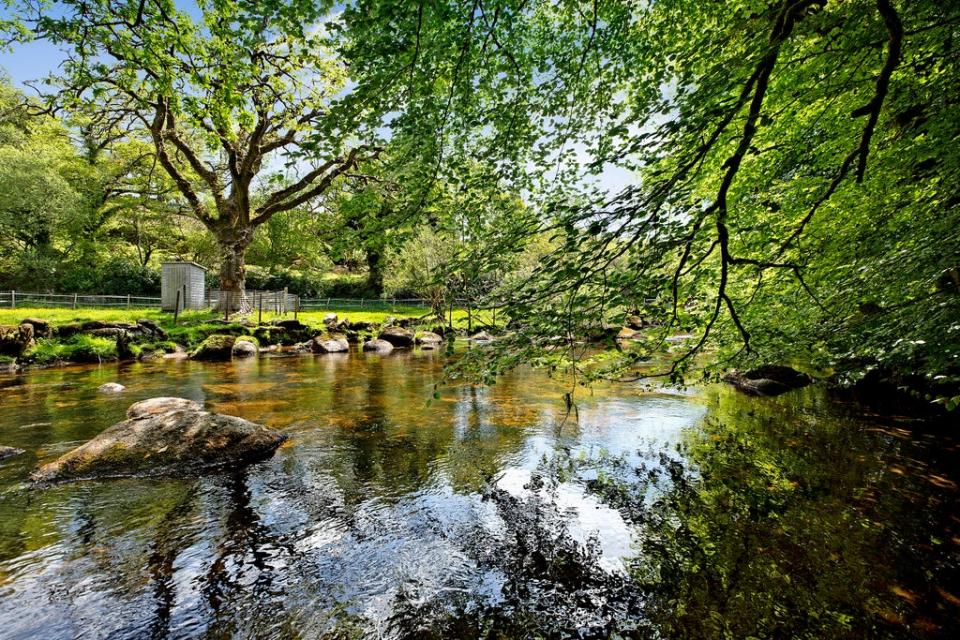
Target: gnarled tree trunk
{"type": "Point", "coordinates": [233, 243]}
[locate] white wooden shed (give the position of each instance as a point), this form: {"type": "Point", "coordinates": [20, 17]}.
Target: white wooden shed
{"type": "Point", "coordinates": [189, 279]}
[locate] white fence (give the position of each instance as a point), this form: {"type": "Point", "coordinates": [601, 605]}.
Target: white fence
{"type": "Point", "coordinates": [14, 299]}
{"type": "Point", "coordinates": [270, 301]}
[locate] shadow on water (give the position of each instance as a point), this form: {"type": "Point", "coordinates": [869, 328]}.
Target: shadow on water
{"type": "Point", "coordinates": [663, 515]}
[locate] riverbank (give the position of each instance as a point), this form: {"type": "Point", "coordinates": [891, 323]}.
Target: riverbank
{"type": "Point", "coordinates": [49, 337]}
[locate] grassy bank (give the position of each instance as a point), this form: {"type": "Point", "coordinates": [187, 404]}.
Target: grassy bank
{"type": "Point", "coordinates": [190, 318]}
{"type": "Point", "coordinates": [193, 327]}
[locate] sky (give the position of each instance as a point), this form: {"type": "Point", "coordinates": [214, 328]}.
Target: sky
{"type": "Point", "coordinates": [30, 62]}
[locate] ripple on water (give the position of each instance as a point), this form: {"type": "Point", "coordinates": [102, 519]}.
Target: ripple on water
{"type": "Point", "coordinates": [387, 515]}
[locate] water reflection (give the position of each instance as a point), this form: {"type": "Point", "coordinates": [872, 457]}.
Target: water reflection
{"type": "Point", "coordinates": [472, 515]}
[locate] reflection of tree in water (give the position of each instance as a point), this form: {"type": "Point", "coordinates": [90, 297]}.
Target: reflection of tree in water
{"type": "Point", "coordinates": [791, 525]}
{"type": "Point", "coordinates": [169, 542]}
{"type": "Point", "coordinates": [550, 585]}
{"type": "Point", "coordinates": [246, 546]}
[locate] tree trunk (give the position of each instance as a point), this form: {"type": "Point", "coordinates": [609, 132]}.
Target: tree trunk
{"type": "Point", "coordinates": [233, 245]}
{"type": "Point", "coordinates": [374, 270]}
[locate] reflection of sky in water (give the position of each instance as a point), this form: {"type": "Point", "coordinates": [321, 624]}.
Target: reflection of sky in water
{"type": "Point", "coordinates": [377, 498]}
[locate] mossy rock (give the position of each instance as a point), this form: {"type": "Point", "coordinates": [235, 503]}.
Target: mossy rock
{"type": "Point", "coordinates": [154, 441]}
{"type": "Point", "coordinates": [215, 348]}
{"type": "Point", "coordinates": [397, 336]}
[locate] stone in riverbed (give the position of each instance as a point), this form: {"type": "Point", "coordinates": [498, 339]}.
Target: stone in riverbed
{"type": "Point", "coordinates": [483, 336]}
{"type": "Point", "coordinates": [217, 347]}
{"type": "Point", "coordinates": [244, 349]}
{"type": "Point", "coordinates": [397, 336]}
{"type": "Point", "coordinates": [9, 452]}
{"type": "Point", "coordinates": [429, 338]}
{"type": "Point", "coordinates": [111, 387]}
{"type": "Point", "coordinates": [768, 380]}
{"type": "Point", "coordinates": [380, 346]}
{"type": "Point", "coordinates": [329, 345]}
{"type": "Point", "coordinates": [154, 441]}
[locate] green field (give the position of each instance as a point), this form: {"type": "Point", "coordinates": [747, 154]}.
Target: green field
{"type": "Point", "coordinates": [59, 316]}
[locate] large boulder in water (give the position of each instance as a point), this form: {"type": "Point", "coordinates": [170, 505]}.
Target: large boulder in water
{"type": "Point", "coordinates": [333, 344]}
{"type": "Point", "coordinates": [397, 336]}
{"type": "Point", "coordinates": [157, 442]}
{"type": "Point", "coordinates": [217, 347]}
{"type": "Point", "coordinates": [379, 346]}
{"type": "Point", "coordinates": [768, 380]}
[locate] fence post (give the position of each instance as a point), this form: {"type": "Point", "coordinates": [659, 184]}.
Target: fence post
{"type": "Point", "coordinates": [74, 301]}
{"type": "Point", "coordinates": [285, 301]}
{"type": "Point", "coordinates": [176, 307]}
{"type": "Point", "coordinates": [260, 315]}
{"type": "Point", "coordinates": [13, 299]}
{"type": "Point", "coordinates": [361, 303]}
{"type": "Point", "coordinates": [296, 307]}
{"type": "Point", "coordinates": [128, 301]}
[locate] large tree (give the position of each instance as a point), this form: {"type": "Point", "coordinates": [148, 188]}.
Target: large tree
{"type": "Point", "coordinates": [238, 98]}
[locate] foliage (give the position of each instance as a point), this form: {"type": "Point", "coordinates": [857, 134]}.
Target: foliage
{"type": "Point", "coordinates": [796, 172]}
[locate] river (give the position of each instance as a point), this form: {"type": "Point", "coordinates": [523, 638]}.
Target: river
{"type": "Point", "coordinates": [479, 512]}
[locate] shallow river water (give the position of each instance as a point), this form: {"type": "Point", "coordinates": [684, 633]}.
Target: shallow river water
{"type": "Point", "coordinates": [486, 512]}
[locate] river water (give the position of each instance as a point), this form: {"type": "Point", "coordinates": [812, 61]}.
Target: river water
{"type": "Point", "coordinates": [484, 512]}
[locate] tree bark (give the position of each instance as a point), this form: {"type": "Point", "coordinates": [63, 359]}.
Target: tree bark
{"type": "Point", "coordinates": [374, 270]}
{"type": "Point", "coordinates": [233, 245]}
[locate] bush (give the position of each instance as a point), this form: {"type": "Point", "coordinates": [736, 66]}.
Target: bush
{"type": "Point", "coordinates": [307, 284]}
{"type": "Point", "coordinates": [118, 275]}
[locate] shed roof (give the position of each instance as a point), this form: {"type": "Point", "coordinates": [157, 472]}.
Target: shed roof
{"type": "Point", "coordinates": [199, 266]}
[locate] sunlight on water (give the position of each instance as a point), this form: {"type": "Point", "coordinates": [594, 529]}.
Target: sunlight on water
{"type": "Point", "coordinates": [384, 514]}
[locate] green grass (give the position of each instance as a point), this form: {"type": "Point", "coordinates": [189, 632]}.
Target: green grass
{"type": "Point", "coordinates": [79, 348]}
{"type": "Point", "coordinates": [71, 316]}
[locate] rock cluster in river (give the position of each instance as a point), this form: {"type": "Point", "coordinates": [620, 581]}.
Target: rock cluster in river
{"type": "Point", "coordinates": [768, 380]}
{"type": "Point", "coordinates": [164, 435]}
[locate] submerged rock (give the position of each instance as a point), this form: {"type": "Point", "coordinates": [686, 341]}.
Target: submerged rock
{"type": "Point", "coordinates": [156, 441]}
{"type": "Point", "coordinates": [380, 346]}
{"type": "Point", "coordinates": [768, 380]}
{"type": "Point", "coordinates": [397, 336]}
{"type": "Point", "coordinates": [111, 387]}
{"type": "Point", "coordinates": [9, 452]}
{"type": "Point", "coordinates": [329, 345]}
{"type": "Point", "coordinates": [626, 334]}
{"type": "Point", "coordinates": [483, 336]}
{"type": "Point", "coordinates": [217, 347]}
{"type": "Point", "coordinates": [244, 349]}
